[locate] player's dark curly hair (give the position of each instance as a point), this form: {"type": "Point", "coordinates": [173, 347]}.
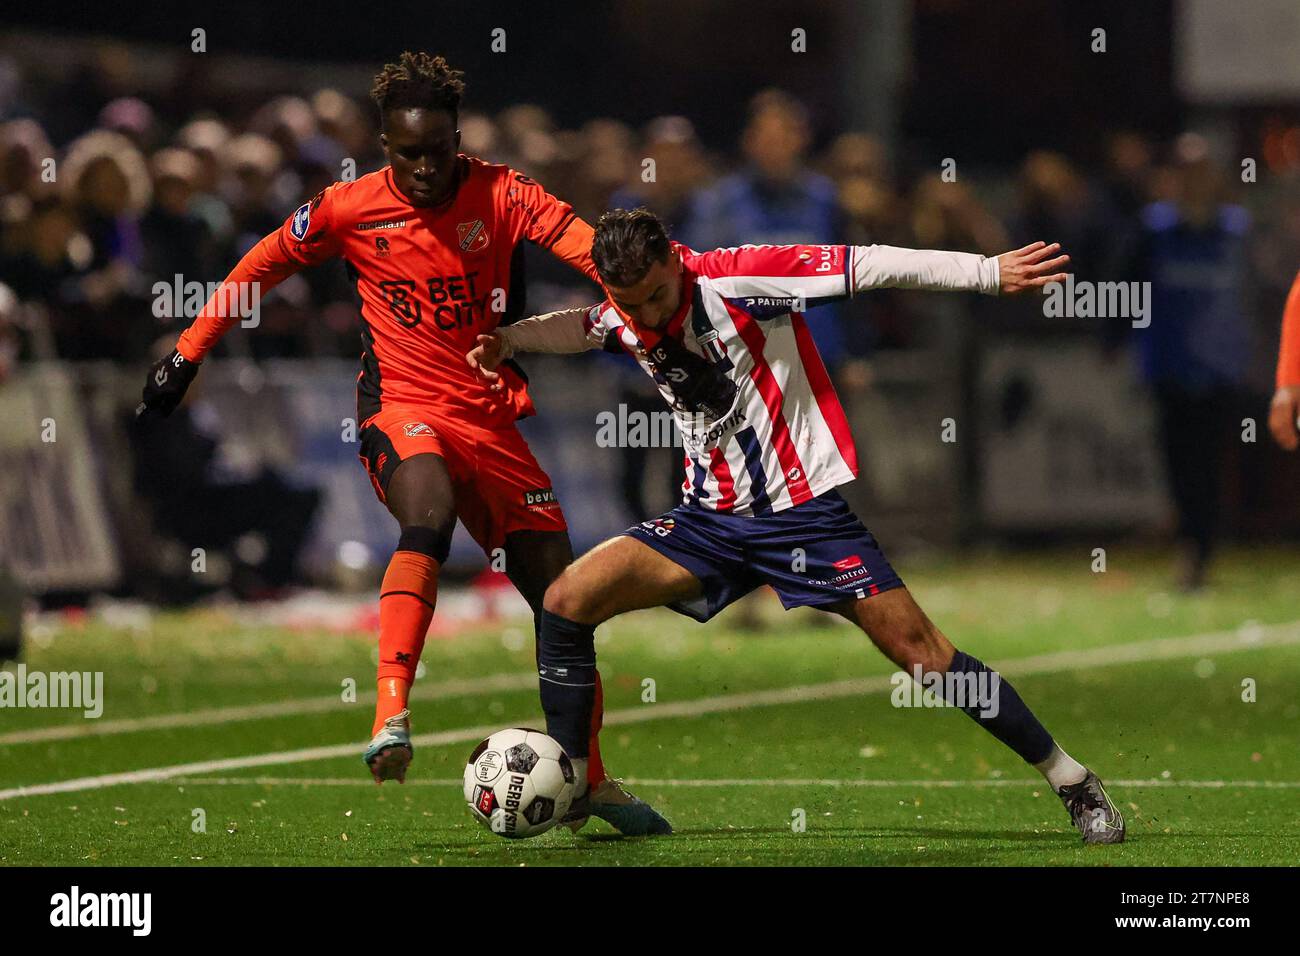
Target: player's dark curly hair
{"type": "Point", "coordinates": [627, 244]}
{"type": "Point", "coordinates": [418, 81]}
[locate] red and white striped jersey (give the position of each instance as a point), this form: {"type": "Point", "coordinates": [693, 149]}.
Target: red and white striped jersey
{"type": "Point", "coordinates": [785, 438]}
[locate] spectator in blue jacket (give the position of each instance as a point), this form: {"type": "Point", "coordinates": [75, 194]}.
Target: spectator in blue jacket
{"type": "Point", "coordinates": [1195, 354]}
{"type": "Point", "coordinates": [776, 199]}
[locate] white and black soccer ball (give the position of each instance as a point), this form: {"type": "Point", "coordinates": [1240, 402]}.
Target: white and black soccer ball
{"type": "Point", "coordinates": [519, 782]}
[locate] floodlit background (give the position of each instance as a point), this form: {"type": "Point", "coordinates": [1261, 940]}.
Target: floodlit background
{"type": "Point", "coordinates": [928, 124]}
{"type": "Point", "coordinates": [1046, 483]}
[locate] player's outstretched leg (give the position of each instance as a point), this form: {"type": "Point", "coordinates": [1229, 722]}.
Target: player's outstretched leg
{"type": "Point", "coordinates": [907, 637]}
{"type": "Point", "coordinates": [534, 559]}
{"type": "Point", "coordinates": [617, 576]}
{"type": "Point", "coordinates": [420, 498]}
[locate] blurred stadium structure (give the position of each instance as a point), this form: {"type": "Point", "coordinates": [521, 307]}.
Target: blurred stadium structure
{"type": "Point", "coordinates": [172, 163]}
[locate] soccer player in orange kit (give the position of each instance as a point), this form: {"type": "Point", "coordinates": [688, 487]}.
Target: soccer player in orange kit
{"type": "Point", "coordinates": [1284, 413]}
{"type": "Point", "coordinates": [434, 244]}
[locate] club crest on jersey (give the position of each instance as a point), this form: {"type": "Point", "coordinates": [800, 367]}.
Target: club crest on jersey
{"type": "Point", "coordinates": [473, 236]}
{"type": "Point", "coordinates": [413, 429]}
{"type": "Point", "coordinates": [713, 346]}
{"type": "Point", "coordinates": [301, 219]}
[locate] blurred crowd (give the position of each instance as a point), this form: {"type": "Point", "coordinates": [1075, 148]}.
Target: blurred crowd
{"type": "Point", "coordinates": [107, 190]}
{"type": "Point", "coordinates": [104, 193]}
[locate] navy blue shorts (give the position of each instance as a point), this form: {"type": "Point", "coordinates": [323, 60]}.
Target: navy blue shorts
{"type": "Point", "coordinates": [813, 554]}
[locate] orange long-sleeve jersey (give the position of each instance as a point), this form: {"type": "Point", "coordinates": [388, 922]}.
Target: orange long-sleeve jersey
{"type": "Point", "coordinates": [1288, 358]}
{"type": "Point", "coordinates": [430, 281]}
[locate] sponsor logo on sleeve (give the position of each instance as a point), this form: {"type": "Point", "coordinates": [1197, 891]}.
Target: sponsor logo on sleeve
{"type": "Point", "coordinates": [301, 219]}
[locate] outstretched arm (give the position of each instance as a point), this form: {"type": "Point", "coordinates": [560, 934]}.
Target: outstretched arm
{"type": "Point", "coordinates": [261, 269]}
{"type": "Point", "coordinates": [1032, 267]}
{"type": "Point", "coordinates": [767, 278]}
{"type": "Point", "coordinates": [564, 331]}
{"type": "Point", "coordinates": [536, 215]}
{"type": "Point", "coordinates": [306, 238]}
{"type": "Point", "coordinates": [872, 267]}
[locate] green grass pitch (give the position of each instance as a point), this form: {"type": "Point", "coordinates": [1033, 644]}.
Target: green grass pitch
{"type": "Point", "coordinates": [754, 745]}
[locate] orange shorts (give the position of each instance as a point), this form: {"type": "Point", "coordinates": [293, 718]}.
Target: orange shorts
{"type": "Point", "coordinates": [499, 486]}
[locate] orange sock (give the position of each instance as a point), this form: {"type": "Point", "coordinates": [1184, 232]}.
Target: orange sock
{"type": "Point", "coordinates": [406, 601]}
{"type": "Point", "coordinates": [595, 766]}
{"type": "Point", "coordinates": [393, 694]}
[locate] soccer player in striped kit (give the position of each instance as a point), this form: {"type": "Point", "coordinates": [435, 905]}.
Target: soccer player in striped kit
{"type": "Point", "coordinates": [767, 443]}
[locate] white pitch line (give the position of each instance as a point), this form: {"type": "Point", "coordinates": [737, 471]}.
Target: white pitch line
{"type": "Point", "coordinates": [756, 782]}
{"type": "Point", "coordinates": [288, 708]}
{"type": "Point", "coordinates": [236, 763]}
{"type": "Point", "coordinates": [1201, 645]}
{"type": "Point", "coordinates": [946, 784]}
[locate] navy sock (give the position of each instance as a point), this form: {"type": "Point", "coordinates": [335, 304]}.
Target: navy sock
{"type": "Point", "coordinates": [566, 670]}
{"type": "Point", "coordinates": [998, 708]}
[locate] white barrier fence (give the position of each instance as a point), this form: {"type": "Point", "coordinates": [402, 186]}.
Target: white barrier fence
{"type": "Point", "coordinates": [1049, 439]}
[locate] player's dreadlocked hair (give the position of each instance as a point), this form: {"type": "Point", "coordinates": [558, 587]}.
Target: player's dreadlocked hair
{"type": "Point", "coordinates": [418, 81]}
{"type": "Point", "coordinates": [627, 244]}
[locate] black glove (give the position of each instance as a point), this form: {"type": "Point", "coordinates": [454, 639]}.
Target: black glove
{"type": "Point", "coordinates": [166, 385]}
{"type": "Point", "coordinates": [698, 385]}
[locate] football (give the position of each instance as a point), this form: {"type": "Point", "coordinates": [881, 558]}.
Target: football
{"type": "Point", "coordinates": [519, 782]}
